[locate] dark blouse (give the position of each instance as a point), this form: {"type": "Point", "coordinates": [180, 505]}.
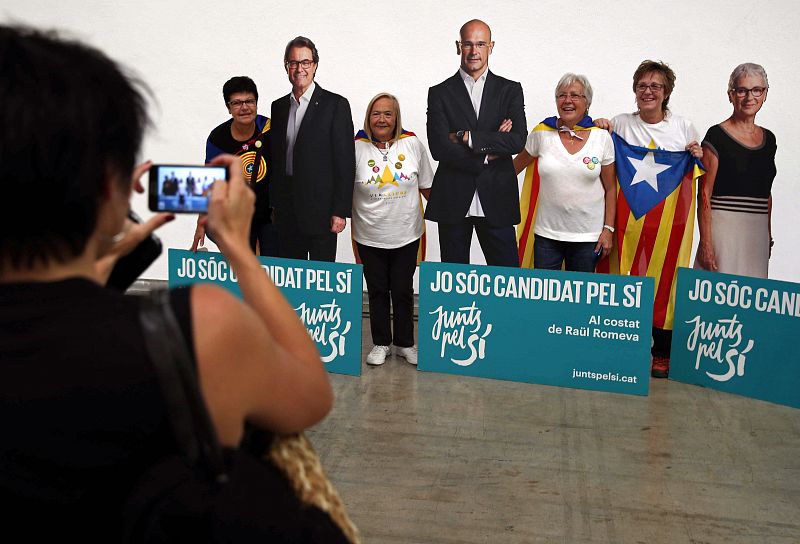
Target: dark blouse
{"type": "Point", "coordinates": [221, 141]}
{"type": "Point", "coordinates": [745, 175]}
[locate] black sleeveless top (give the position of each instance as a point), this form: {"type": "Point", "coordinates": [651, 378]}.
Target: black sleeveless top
{"type": "Point", "coordinates": [745, 174]}
{"type": "Point", "coordinates": [81, 411]}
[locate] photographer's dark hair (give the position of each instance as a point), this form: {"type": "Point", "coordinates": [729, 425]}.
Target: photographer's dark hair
{"type": "Point", "coordinates": [70, 119]}
{"type": "Point", "coordinates": [239, 84]}
{"type": "Point", "coordinates": [301, 41]}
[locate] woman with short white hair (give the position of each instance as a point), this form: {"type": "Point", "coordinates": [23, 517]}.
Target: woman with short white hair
{"type": "Point", "coordinates": [735, 196]}
{"type": "Point", "coordinates": [576, 200]}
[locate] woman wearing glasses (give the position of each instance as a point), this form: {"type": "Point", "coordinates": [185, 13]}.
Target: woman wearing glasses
{"type": "Point", "coordinates": [735, 197]}
{"type": "Point", "coordinates": [576, 201]}
{"type": "Point", "coordinates": [392, 170]}
{"type": "Point", "coordinates": [658, 242]}
{"type": "Point", "coordinates": [653, 123]}
{"type": "Point", "coordinates": [246, 135]}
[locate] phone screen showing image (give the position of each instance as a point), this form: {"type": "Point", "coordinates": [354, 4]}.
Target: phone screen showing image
{"type": "Point", "coordinates": [181, 188]}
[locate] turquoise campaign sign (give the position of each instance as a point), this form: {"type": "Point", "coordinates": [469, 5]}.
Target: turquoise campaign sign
{"type": "Point", "coordinates": [737, 334]}
{"type": "Point", "coordinates": [570, 329]}
{"type": "Point", "coordinates": [326, 297]}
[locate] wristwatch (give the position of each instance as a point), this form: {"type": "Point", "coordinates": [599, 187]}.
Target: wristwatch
{"type": "Point", "coordinates": [460, 136]}
{"type": "Point", "coordinates": [609, 228]}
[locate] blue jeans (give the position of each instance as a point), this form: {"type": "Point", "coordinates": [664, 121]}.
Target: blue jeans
{"type": "Point", "coordinates": [577, 256]}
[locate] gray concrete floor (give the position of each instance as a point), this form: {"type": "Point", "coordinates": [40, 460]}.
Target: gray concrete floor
{"type": "Point", "coordinates": [433, 458]}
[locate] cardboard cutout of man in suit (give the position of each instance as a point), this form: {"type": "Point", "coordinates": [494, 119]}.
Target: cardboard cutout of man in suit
{"type": "Point", "coordinates": [313, 160]}
{"type": "Point", "coordinates": [476, 122]}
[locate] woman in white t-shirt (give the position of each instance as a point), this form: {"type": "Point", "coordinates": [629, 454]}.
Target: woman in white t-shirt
{"type": "Point", "coordinates": [654, 125]}
{"type": "Point", "coordinates": [577, 192]}
{"type": "Point", "coordinates": [392, 170]}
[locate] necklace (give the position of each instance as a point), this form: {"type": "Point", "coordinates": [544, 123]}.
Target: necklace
{"type": "Point", "coordinates": [385, 154]}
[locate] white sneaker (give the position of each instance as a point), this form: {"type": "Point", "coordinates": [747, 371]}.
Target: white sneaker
{"type": "Point", "coordinates": [378, 355]}
{"type": "Point", "coordinates": [410, 354]}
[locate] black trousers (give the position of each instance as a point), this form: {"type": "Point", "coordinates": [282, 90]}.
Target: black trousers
{"type": "Point", "coordinates": [499, 244]}
{"type": "Point", "coordinates": [662, 342]}
{"type": "Point", "coordinates": [266, 234]}
{"type": "Point", "coordinates": [390, 275]}
{"type": "Point", "coordinates": [293, 243]}
{"type": "Point", "coordinates": [263, 236]}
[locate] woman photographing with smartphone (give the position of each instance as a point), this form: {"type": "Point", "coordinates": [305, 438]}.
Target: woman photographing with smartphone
{"type": "Point", "coordinates": [81, 407]}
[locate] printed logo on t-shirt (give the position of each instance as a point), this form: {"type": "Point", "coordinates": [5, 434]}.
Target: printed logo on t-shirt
{"type": "Point", "coordinates": [248, 163]}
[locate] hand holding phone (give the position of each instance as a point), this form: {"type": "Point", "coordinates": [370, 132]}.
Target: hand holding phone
{"type": "Point", "coordinates": [231, 209]}
{"type": "Point", "coordinates": [181, 188]}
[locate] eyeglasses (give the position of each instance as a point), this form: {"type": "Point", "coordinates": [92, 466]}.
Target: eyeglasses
{"type": "Point", "coordinates": [654, 87]}
{"type": "Point", "coordinates": [250, 102]}
{"type": "Point", "coordinates": [469, 45]}
{"type": "Point", "coordinates": [293, 64]}
{"type": "Point", "coordinates": [574, 96]}
{"type": "Point", "coordinates": [741, 92]}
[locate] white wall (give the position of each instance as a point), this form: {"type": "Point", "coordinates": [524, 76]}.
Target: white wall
{"type": "Point", "coordinates": [185, 50]}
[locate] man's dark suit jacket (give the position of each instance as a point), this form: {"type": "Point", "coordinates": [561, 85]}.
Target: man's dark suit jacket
{"type": "Point", "coordinates": [461, 170]}
{"type": "Point", "coordinates": [324, 163]}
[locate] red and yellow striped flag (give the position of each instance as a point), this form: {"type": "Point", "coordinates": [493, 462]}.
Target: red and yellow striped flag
{"type": "Point", "coordinates": [529, 198]}
{"type": "Point", "coordinates": [659, 241]}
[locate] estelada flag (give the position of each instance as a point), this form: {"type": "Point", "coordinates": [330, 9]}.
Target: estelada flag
{"type": "Point", "coordinates": [656, 200]}
{"type": "Point", "coordinates": [529, 199]}
{"type": "Point", "coordinates": [362, 136]}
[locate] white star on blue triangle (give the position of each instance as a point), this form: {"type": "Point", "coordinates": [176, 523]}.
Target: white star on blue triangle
{"type": "Point", "coordinates": [647, 170]}
{"type": "Point", "coordinates": [647, 176]}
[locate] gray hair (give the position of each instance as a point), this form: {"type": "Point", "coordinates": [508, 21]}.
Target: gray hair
{"type": "Point", "coordinates": [569, 78]}
{"type": "Point", "coordinates": [747, 69]}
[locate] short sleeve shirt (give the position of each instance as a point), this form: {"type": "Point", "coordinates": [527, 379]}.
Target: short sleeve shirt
{"type": "Point", "coordinates": [387, 212]}
{"type": "Point", "coordinates": [571, 202]}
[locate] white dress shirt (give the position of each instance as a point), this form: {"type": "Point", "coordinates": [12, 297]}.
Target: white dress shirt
{"type": "Point", "coordinates": [297, 110]}
{"type": "Point", "coordinates": [475, 91]}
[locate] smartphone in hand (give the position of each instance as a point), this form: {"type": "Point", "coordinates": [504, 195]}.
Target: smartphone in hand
{"type": "Point", "coordinates": [181, 188]}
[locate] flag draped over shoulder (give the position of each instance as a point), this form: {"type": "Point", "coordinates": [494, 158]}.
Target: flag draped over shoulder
{"type": "Point", "coordinates": [655, 219]}
{"type": "Point", "coordinates": [362, 136]}
{"type": "Point", "coordinates": [529, 197]}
